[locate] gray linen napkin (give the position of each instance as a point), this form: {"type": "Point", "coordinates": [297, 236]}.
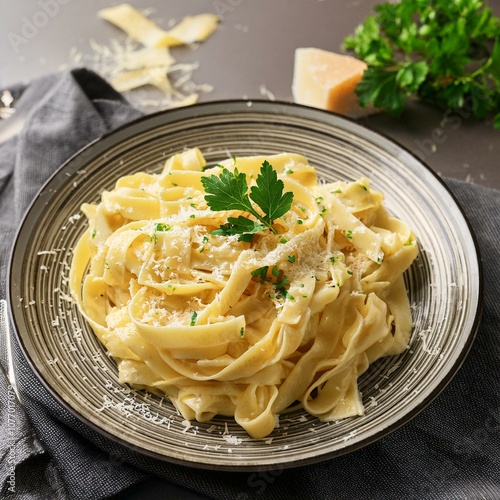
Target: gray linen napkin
{"type": "Point", "coordinates": [449, 451]}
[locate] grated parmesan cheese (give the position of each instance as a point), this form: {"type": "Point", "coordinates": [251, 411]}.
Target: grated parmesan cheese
{"type": "Point", "coordinates": [349, 436]}
{"type": "Point", "coordinates": [425, 346]}
{"type": "Point", "coordinates": [232, 439]}
{"type": "Point", "coordinates": [265, 92]}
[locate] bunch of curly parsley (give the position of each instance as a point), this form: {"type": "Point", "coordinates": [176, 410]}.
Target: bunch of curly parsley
{"type": "Point", "coordinates": [445, 52]}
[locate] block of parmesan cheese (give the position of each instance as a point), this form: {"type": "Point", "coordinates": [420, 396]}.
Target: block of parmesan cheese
{"type": "Point", "coordinates": [327, 80]}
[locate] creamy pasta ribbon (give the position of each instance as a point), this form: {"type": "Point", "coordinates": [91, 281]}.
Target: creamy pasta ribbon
{"type": "Point", "coordinates": [246, 330]}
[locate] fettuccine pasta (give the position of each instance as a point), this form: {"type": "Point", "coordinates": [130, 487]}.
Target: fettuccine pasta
{"type": "Point", "coordinates": [237, 328]}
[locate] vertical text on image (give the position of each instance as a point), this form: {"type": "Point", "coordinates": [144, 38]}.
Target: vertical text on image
{"type": "Point", "coordinates": [11, 426]}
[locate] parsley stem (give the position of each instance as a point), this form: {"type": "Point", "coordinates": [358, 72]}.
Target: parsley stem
{"type": "Point", "coordinates": [261, 219]}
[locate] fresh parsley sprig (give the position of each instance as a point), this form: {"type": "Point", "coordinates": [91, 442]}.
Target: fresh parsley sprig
{"type": "Point", "coordinates": [230, 192]}
{"type": "Point", "coordinates": [444, 52]}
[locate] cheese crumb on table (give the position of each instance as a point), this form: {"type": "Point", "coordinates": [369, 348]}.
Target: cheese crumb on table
{"type": "Point", "coordinates": [328, 80]}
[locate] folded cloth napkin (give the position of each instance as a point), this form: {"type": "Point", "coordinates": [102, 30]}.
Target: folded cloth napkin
{"type": "Point", "coordinates": [449, 451]}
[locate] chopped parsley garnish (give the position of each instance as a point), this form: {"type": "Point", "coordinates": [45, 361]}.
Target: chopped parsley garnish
{"type": "Point", "coordinates": [161, 226]}
{"type": "Point", "coordinates": [291, 259]}
{"type": "Point", "coordinates": [193, 318]}
{"type": "Point", "coordinates": [281, 291]}
{"type": "Point", "coordinates": [260, 272]}
{"type": "Point", "coordinates": [349, 234]}
{"type": "Point", "coordinates": [203, 242]}
{"type": "Point", "coordinates": [280, 284]}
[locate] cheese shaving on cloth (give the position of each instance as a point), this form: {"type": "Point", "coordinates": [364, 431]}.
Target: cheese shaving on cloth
{"type": "Point", "coordinates": [190, 30]}
{"type": "Point", "coordinates": [229, 316]}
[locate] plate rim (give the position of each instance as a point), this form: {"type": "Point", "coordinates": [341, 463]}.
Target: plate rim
{"type": "Point", "coordinates": [228, 107]}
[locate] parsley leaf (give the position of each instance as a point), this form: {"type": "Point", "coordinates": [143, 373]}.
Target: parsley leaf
{"type": "Point", "coordinates": [239, 225]}
{"type": "Point", "coordinates": [446, 53]}
{"type": "Point", "coordinates": [268, 194]}
{"type": "Point", "coordinates": [230, 192]}
{"type": "Point", "coordinates": [380, 88]}
{"type": "Point", "coordinates": [227, 192]}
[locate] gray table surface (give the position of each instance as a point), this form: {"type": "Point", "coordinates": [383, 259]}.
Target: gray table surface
{"type": "Point", "coordinates": [253, 47]}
